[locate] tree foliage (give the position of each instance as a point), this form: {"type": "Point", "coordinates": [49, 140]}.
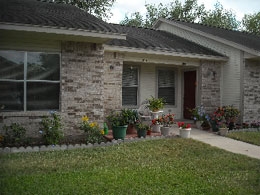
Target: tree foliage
{"type": "Point", "coordinates": [191, 11]}
{"type": "Point", "coordinates": [251, 23]}
{"type": "Point", "coordinates": [98, 8]}
{"type": "Point", "coordinates": [221, 17]}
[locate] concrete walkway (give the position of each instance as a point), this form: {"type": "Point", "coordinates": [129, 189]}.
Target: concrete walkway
{"type": "Point", "coordinates": [225, 143]}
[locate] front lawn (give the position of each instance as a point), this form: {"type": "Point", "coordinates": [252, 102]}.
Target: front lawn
{"type": "Point", "coordinates": [252, 137]}
{"type": "Point", "coordinates": [167, 166]}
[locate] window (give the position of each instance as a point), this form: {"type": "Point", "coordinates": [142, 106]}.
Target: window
{"type": "Point", "coordinates": [29, 81]}
{"type": "Point", "coordinates": [130, 86]}
{"type": "Point", "coordinates": [166, 85]}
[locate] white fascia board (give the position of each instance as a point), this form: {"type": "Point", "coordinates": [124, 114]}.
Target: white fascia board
{"type": "Point", "coordinates": [61, 31]}
{"type": "Point", "coordinates": [210, 36]}
{"type": "Point", "coordinates": [162, 53]}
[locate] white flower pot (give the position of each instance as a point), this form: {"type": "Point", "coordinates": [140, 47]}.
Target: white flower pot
{"type": "Point", "coordinates": [155, 115]}
{"type": "Point", "coordinates": [185, 133]}
{"type": "Point", "coordinates": [198, 124]}
{"type": "Point", "coordinates": [223, 131]}
{"type": "Point", "coordinates": [165, 130]}
{"type": "Point", "coordinates": [156, 128]}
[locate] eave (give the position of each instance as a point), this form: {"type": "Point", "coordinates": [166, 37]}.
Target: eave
{"type": "Point", "coordinates": [164, 53]}
{"type": "Point", "coordinates": [102, 36]}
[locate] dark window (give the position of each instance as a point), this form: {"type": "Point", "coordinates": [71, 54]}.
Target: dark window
{"type": "Point", "coordinates": [29, 81]}
{"type": "Point", "coordinates": [130, 85]}
{"type": "Point", "coordinates": [166, 85]}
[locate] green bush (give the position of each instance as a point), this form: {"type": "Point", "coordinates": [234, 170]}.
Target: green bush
{"type": "Point", "coordinates": [51, 129]}
{"type": "Point", "coordinates": [94, 134]}
{"type": "Point", "coordinates": [14, 135]}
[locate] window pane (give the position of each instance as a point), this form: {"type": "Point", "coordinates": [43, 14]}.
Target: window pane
{"type": "Point", "coordinates": [11, 65]}
{"type": "Point", "coordinates": [130, 76]}
{"type": "Point", "coordinates": [43, 96]}
{"type": "Point", "coordinates": [129, 95]}
{"type": "Point", "coordinates": [166, 85]}
{"type": "Point", "coordinates": [42, 66]}
{"type": "Point", "coordinates": [166, 78]}
{"type": "Point", "coordinates": [11, 96]}
{"type": "Point", "coordinates": [168, 93]}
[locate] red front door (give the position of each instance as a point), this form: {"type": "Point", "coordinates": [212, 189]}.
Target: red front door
{"type": "Point", "coordinates": [189, 93]}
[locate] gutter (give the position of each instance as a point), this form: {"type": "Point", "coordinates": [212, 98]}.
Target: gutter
{"type": "Point", "coordinates": [163, 53]}
{"type": "Point", "coordinates": [61, 31]}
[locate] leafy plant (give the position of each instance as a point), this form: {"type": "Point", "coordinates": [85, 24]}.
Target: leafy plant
{"type": "Point", "coordinates": [198, 113]}
{"type": "Point", "coordinates": [51, 129]}
{"type": "Point", "coordinates": [155, 104]}
{"type": "Point", "coordinates": [94, 134]}
{"type": "Point", "coordinates": [14, 135]}
{"type": "Point", "coordinates": [142, 126]}
{"type": "Point", "coordinates": [122, 118]}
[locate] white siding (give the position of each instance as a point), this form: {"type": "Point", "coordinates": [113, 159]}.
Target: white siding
{"type": "Point", "coordinates": [230, 71]}
{"type": "Point", "coordinates": [148, 87]}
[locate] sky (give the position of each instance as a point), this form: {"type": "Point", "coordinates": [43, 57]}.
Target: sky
{"type": "Point", "coordinates": [238, 7]}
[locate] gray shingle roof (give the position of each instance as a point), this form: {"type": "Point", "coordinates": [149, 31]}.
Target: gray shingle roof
{"type": "Point", "coordinates": [158, 40]}
{"type": "Point", "coordinates": [246, 39]}
{"type": "Point", "coordinates": [34, 12]}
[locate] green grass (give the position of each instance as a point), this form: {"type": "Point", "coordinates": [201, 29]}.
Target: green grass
{"type": "Point", "coordinates": [252, 137]}
{"type": "Point", "coordinates": [167, 166]}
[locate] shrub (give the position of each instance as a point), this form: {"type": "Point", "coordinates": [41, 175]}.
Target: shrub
{"type": "Point", "coordinates": [94, 134]}
{"type": "Point", "coordinates": [14, 135]}
{"type": "Point", "coordinates": [51, 129]}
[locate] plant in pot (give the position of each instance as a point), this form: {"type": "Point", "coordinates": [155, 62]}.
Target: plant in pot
{"type": "Point", "coordinates": [141, 129]}
{"type": "Point", "coordinates": [167, 121]}
{"type": "Point", "coordinates": [230, 114]}
{"type": "Point", "coordinates": [155, 105]}
{"type": "Point", "coordinates": [223, 129]}
{"type": "Point", "coordinates": [198, 115]}
{"type": "Point", "coordinates": [118, 121]}
{"type": "Point", "coordinates": [185, 129]}
{"type": "Point", "coordinates": [156, 125]}
{"type": "Point", "coordinates": [131, 116]}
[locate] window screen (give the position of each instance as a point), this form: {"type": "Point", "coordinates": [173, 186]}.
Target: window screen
{"type": "Point", "coordinates": [166, 85]}
{"type": "Point", "coordinates": [130, 85]}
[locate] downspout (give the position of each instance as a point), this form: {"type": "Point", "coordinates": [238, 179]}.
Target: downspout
{"type": "Point", "coordinates": [242, 71]}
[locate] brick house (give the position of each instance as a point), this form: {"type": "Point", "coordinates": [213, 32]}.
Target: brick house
{"type": "Point", "coordinates": [58, 57]}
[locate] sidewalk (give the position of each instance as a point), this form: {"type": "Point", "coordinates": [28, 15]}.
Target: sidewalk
{"type": "Point", "coordinates": [225, 143]}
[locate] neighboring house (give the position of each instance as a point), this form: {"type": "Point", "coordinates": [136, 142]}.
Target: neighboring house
{"type": "Point", "coordinates": [240, 75]}
{"type": "Point", "coordinates": [58, 57]}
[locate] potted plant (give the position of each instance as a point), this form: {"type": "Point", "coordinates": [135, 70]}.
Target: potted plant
{"type": "Point", "coordinates": [198, 115]}
{"type": "Point", "coordinates": [216, 117]}
{"type": "Point", "coordinates": [223, 129]}
{"type": "Point", "coordinates": [118, 121]}
{"type": "Point", "coordinates": [155, 105]}
{"type": "Point", "coordinates": [131, 116]}
{"type": "Point", "coordinates": [185, 129]}
{"type": "Point", "coordinates": [167, 121]}
{"type": "Point", "coordinates": [230, 114]}
{"type": "Point", "coordinates": [156, 125]}
{"type": "Point", "coordinates": [141, 129]}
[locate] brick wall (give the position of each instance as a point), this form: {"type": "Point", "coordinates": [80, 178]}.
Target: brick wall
{"type": "Point", "coordinates": [113, 68]}
{"type": "Point", "coordinates": [210, 85]}
{"type": "Point", "coordinates": [252, 91]}
{"type": "Point", "coordinates": [82, 90]}
{"type": "Point", "coordinates": [82, 80]}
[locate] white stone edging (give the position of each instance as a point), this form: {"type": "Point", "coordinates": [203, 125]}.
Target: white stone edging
{"type": "Point", "coordinates": [9, 150]}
